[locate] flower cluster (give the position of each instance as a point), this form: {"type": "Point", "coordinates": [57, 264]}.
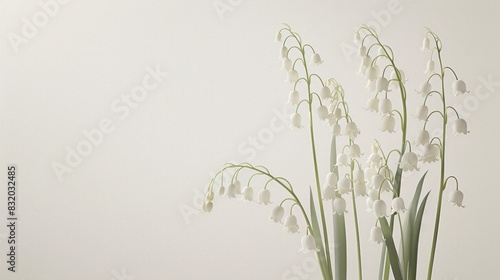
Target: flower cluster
{"type": "Point", "coordinates": [346, 179]}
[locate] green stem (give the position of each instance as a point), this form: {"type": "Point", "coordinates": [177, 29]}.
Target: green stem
{"type": "Point", "coordinates": [442, 179]}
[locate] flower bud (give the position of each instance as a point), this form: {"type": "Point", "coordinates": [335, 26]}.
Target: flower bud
{"type": "Point", "coordinates": [385, 106]}
{"type": "Point", "coordinates": [294, 98]}
{"type": "Point", "coordinates": [422, 113]}
{"type": "Point", "coordinates": [430, 67]}
{"type": "Point", "coordinates": [425, 44]}
{"type": "Point", "coordinates": [222, 190]}
{"type": "Point", "coordinates": [362, 51]}
{"type": "Point", "coordinates": [295, 120]}
{"type": "Point", "coordinates": [283, 52]}
{"type": "Point", "coordinates": [336, 129]}
{"type": "Point", "coordinates": [287, 64]}
{"type": "Point", "coordinates": [293, 76]}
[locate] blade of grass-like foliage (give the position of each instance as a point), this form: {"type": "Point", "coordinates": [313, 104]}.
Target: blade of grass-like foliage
{"type": "Point", "coordinates": [409, 223]}
{"type": "Point", "coordinates": [391, 249]}
{"type": "Point", "coordinates": [339, 233]}
{"type": "Point", "coordinates": [317, 235]}
{"type": "Point", "coordinates": [412, 271]}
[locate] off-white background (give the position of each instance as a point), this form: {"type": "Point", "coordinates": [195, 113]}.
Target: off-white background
{"type": "Point", "coordinates": [131, 208]}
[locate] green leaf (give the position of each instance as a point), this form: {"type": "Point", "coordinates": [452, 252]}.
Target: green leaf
{"type": "Point", "coordinates": [391, 249]}
{"type": "Point", "coordinates": [339, 232]}
{"type": "Point", "coordinates": [317, 234]}
{"type": "Point", "coordinates": [409, 224]}
{"type": "Point", "coordinates": [412, 272]}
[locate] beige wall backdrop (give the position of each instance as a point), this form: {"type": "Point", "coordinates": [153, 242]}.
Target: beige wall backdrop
{"type": "Point", "coordinates": [116, 114]}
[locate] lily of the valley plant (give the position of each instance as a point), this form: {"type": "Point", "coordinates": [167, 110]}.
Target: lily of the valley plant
{"type": "Point", "coordinates": [349, 181]}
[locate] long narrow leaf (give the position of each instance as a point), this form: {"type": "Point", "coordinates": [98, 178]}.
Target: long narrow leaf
{"type": "Point", "coordinates": [412, 272]}
{"type": "Point", "coordinates": [339, 232]}
{"type": "Point", "coordinates": [391, 249]}
{"type": "Point", "coordinates": [408, 228]}
{"type": "Point", "coordinates": [317, 235]}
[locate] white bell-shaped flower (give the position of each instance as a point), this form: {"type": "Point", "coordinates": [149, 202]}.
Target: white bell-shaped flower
{"type": "Point", "coordinates": [366, 62]}
{"type": "Point", "coordinates": [425, 89]}
{"type": "Point", "coordinates": [337, 113]}
{"type": "Point", "coordinates": [231, 191]}
{"type": "Point", "coordinates": [369, 172]}
{"type": "Point", "coordinates": [430, 153]}
{"type": "Point", "coordinates": [362, 51]}
{"type": "Point", "coordinates": [342, 160]}
{"type": "Point", "coordinates": [354, 151]}
{"type": "Point", "coordinates": [374, 160]}
{"type": "Point", "coordinates": [372, 104]}
{"type": "Point", "coordinates": [265, 197]}
{"type": "Point", "coordinates": [238, 187]}
{"type": "Point", "coordinates": [331, 119]}
{"type": "Point", "coordinates": [332, 179]}
{"type": "Point", "coordinates": [380, 208]}
{"type": "Point", "coordinates": [369, 205]}
{"type": "Point", "coordinates": [376, 235]}
{"type": "Point", "coordinates": [325, 92]}
{"type": "Point", "coordinates": [409, 161]}
{"type": "Point", "coordinates": [373, 194]}
{"type": "Point", "coordinates": [247, 194]}
{"type": "Point", "coordinates": [277, 214]}
{"type": "Point", "coordinates": [358, 175]}
{"type": "Point", "coordinates": [328, 192]}
{"type": "Point", "coordinates": [293, 76]}
{"type": "Point", "coordinates": [283, 52]}
{"type": "Point", "coordinates": [423, 138]}
{"type": "Point", "coordinates": [398, 205]}
{"type": "Point", "coordinates": [385, 106]}
{"type": "Point", "coordinates": [370, 85]}
{"type": "Point", "coordinates": [460, 126]}
{"type": "Point", "coordinates": [372, 73]}
{"type": "Point", "coordinates": [336, 129]}
{"type": "Point", "coordinates": [294, 97]}
{"type": "Point", "coordinates": [394, 78]}
{"type": "Point", "coordinates": [222, 190]}
{"type": "Point", "coordinates": [360, 188]}
{"type": "Point", "coordinates": [430, 67]}
{"type": "Point", "coordinates": [351, 130]}
{"type": "Point", "coordinates": [456, 197]}
{"type": "Point", "coordinates": [422, 112]}
{"type": "Point", "coordinates": [291, 224]}
{"type": "Point", "coordinates": [382, 84]}
{"type": "Point", "coordinates": [388, 123]}
{"type": "Point", "coordinates": [344, 185]}
{"type": "Point", "coordinates": [316, 59]}
{"type": "Point", "coordinates": [322, 112]}
{"type": "Point", "coordinates": [339, 206]}
{"type": "Point", "coordinates": [295, 120]}
{"type": "Point", "coordinates": [287, 64]}
{"type": "Point", "coordinates": [459, 87]}
{"type": "Point", "coordinates": [308, 244]}
{"type": "Point", "coordinates": [425, 44]}
{"type": "Point", "coordinates": [378, 181]}
{"type": "Point", "coordinates": [386, 171]}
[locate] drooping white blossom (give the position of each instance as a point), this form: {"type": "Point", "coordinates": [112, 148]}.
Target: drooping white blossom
{"type": "Point", "coordinates": [460, 126]}
{"type": "Point", "coordinates": [290, 224]}
{"type": "Point", "coordinates": [376, 235]}
{"type": "Point", "coordinates": [339, 206]}
{"type": "Point", "coordinates": [409, 161]}
{"type": "Point", "coordinates": [308, 244]}
{"type": "Point", "coordinates": [388, 123]}
{"type": "Point", "coordinates": [459, 87]}
{"type": "Point", "coordinates": [277, 214]}
{"type": "Point", "coordinates": [456, 197]}
{"type": "Point", "coordinates": [295, 120]}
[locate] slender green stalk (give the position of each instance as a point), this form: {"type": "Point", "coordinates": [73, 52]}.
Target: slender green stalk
{"type": "Point", "coordinates": [442, 180]}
